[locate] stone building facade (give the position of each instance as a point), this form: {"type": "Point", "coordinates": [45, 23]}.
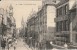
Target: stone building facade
{"type": "Point", "coordinates": [7, 23]}
{"type": "Point", "coordinates": [10, 22]}
{"type": "Point", "coordinates": [64, 28]}
{"type": "Point", "coordinates": [42, 24]}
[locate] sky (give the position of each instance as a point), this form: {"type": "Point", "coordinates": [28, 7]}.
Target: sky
{"type": "Point", "coordinates": [21, 9]}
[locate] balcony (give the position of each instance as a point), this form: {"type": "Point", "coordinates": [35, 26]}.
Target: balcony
{"type": "Point", "coordinates": [61, 18]}
{"type": "Point", "coordinates": [61, 38]}
{"type": "Point", "coordinates": [62, 32]}
{"type": "Point", "coordinates": [65, 32]}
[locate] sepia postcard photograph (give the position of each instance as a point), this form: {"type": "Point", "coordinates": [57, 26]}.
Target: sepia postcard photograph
{"type": "Point", "coordinates": [38, 24]}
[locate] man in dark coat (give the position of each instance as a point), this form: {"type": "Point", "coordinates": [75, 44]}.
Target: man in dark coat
{"type": "Point", "coordinates": [3, 44]}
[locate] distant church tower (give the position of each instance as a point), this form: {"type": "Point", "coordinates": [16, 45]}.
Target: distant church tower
{"type": "Point", "coordinates": [23, 27]}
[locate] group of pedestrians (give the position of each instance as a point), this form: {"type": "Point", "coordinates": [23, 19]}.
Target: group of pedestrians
{"type": "Point", "coordinates": [6, 43]}
{"type": "Point", "coordinates": [3, 44]}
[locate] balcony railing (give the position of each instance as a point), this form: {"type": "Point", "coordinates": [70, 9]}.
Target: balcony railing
{"type": "Point", "coordinates": [65, 32]}
{"type": "Point", "coordinates": [61, 18]}
{"type": "Point", "coordinates": [62, 32]}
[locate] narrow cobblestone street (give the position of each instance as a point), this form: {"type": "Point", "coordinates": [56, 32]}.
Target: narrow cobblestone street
{"type": "Point", "coordinates": [20, 45]}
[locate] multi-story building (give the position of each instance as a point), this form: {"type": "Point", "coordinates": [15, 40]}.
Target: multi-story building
{"type": "Point", "coordinates": [42, 24]}
{"type": "Point", "coordinates": [73, 25]}
{"type": "Point", "coordinates": [31, 27]}
{"type": "Point", "coordinates": [7, 23]}
{"type": "Point", "coordinates": [10, 22]}
{"type": "Point", "coordinates": [63, 22]}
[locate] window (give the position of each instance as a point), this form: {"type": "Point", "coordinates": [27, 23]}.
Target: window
{"type": "Point", "coordinates": [67, 25]}
{"type": "Point", "coordinates": [61, 26]}
{"type": "Point", "coordinates": [66, 9]}
{"type": "Point", "coordinates": [57, 13]}
{"type": "Point", "coordinates": [60, 11]}
{"type": "Point", "coordinates": [57, 26]}
{"type": "Point", "coordinates": [64, 25]}
{"type": "Point", "coordinates": [76, 37]}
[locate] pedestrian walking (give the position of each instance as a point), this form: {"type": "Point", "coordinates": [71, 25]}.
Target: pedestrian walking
{"type": "Point", "coordinates": [3, 44]}
{"type": "Point", "coordinates": [15, 43]}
